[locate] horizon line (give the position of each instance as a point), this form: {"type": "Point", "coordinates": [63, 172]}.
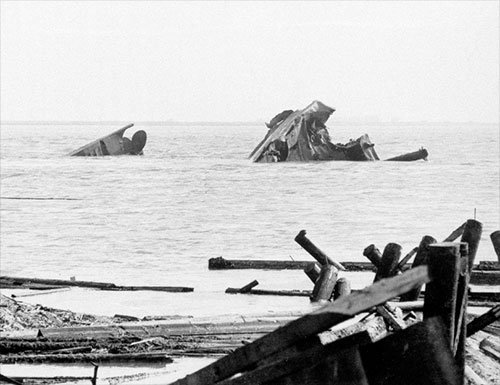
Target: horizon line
{"type": "Point", "coordinates": [220, 123]}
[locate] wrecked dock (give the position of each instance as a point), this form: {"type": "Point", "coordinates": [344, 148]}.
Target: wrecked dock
{"type": "Point", "coordinates": [386, 333]}
{"type": "Point", "coordinates": [302, 135]}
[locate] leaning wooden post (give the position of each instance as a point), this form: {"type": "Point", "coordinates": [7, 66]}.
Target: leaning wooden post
{"type": "Point", "coordinates": [455, 233]}
{"type": "Point", "coordinates": [390, 259]}
{"type": "Point", "coordinates": [373, 254]}
{"type": "Point", "coordinates": [420, 259]}
{"type": "Point", "coordinates": [312, 270]}
{"type": "Point", "coordinates": [495, 239]}
{"type": "Point", "coordinates": [441, 292]}
{"type": "Point", "coordinates": [342, 288]}
{"type": "Point", "coordinates": [312, 249]}
{"type": "Point", "coordinates": [323, 288]}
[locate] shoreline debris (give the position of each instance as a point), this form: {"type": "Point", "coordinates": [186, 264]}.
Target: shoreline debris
{"type": "Point", "coordinates": [114, 144]}
{"type": "Point", "coordinates": [429, 349]}
{"type": "Point", "coordinates": [46, 284]}
{"type": "Point", "coordinates": [302, 136]}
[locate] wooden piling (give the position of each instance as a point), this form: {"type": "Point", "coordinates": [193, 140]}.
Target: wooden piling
{"type": "Point", "coordinates": [373, 254]}
{"type": "Point", "coordinates": [315, 252]}
{"type": "Point", "coordinates": [441, 292]}
{"type": "Point", "coordinates": [420, 259]}
{"type": "Point", "coordinates": [390, 259]}
{"type": "Point", "coordinates": [495, 239]}
{"type": "Point", "coordinates": [472, 235]}
{"type": "Point", "coordinates": [323, 288]}
{"type": "Point", "coordinates": [312, 270]}
{"type": "Point", "coordinates": [342, 288]}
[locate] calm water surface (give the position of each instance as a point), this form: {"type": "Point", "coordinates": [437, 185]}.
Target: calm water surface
{"type": "Point", "coordinates": [158, 218]}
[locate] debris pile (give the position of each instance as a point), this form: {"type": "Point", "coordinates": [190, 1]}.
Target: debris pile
{"type": "Point", "coordinates": [303, 136]}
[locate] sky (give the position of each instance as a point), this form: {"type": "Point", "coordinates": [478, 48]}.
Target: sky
{"type": "Point", "coordinates": [248, 60]}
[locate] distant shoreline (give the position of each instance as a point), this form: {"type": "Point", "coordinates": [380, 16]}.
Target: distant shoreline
{"type": "Point", "coordinates": [211, 124]}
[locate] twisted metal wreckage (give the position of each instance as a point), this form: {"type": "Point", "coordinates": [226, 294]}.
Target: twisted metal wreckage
{"type": "Point", "coordinates": [302, 136]}
{"type": "Point", "coordinates": [114, 144]}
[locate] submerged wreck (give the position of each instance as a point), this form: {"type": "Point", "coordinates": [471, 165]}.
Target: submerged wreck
{"type": "Point", "coordinates": [302, 136]}
{"type": "Point", "coordinates": [114, 144]}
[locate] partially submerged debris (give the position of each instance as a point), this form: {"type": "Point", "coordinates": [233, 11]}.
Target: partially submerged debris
{"type": "Point", "coordinates": [114, 144]}
{"type": "Point", "coordinates": [46, 284]}
{"type": "Point", "coordinates": [302, 136]}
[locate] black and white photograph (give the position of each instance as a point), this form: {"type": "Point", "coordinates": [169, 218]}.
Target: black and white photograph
{"type": "Point", "coordinates": [250, 192]}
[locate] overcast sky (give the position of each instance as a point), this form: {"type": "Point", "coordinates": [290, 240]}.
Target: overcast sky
{"type": "Point", "coordinates": [246, 61]}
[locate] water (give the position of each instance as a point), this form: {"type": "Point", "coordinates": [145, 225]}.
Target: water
{"type": "Point", "coordinates": [157, 219]}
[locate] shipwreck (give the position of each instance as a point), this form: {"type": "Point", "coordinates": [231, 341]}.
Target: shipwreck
{"type": "Point", "coordinates": [303, 136]}
{"type": "Point", "coordinates": [114, 144]}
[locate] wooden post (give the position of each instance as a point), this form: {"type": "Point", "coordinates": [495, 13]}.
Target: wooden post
{"type": "Point", "coordinates": [472, 235]}
{"type": "Point", "coordinates": [441, 292]}
{"type": "Point", "coordinates": [323, 288]}
{"type": "Point", "coordinates": [312, 249]}
{"type": "Point", "coordinates": [420, 259]}
{"type": "Point", "coordinates": [342, 288]}
{"type": "Point", "coordinates": [495, 239]}
{"type": "Point", "coordinates": [373, 254]}
{"type": "Point", "coordinates": [390, 259]}
{"type": "Point", "coordinates": [94, 378]}
{"type": "Point", "coordinates": [312, 270]}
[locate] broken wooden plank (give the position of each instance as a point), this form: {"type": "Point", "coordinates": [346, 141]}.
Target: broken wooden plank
{"type": "Point", "coordinates": [308, 325]}
{"type": "Point", "coordinates": [288, 364]}
{"type": "Point", "coordinates": [190, 326]}
{"type": "Point", "coordinates": [479, 323]}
